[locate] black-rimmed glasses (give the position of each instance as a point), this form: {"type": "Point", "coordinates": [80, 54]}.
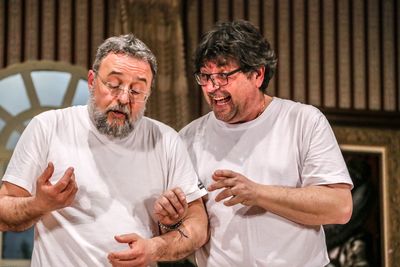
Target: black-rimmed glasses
{"type": "Point", "coordinates": [117, 88]}
{"type": "Point", "coordinates": [217, 79]}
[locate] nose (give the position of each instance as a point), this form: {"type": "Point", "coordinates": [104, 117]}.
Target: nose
{"type": "Point", "coordinates": [211, 86]}
{"type": "Point", "coordinates": [123, 96]}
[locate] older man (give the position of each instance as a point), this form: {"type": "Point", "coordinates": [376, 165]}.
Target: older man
{"type": "Point", "coordinates": [85, 175]}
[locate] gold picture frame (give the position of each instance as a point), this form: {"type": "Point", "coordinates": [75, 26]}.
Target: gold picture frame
{"type": "Point", "coordinates": [386, 142]}
{"type": "Point", "coordinates": [381, 152]}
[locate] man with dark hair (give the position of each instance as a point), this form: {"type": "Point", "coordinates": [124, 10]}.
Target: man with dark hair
{"type": "Point", "coordinates": [87, 175]}
{"type": "Point", "coordinates": [273, 167]}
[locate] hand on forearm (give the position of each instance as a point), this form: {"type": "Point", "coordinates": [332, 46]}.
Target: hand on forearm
{"type": "Point", "coordinates": [171, 207]}
{"type": "Point", "coordinates": [193, 234]}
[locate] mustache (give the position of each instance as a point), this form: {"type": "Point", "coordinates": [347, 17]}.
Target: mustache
{"type": "Point", "coordinates": [119, 108]}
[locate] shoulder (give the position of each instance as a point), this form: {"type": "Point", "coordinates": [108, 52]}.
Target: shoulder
{"type": "Point", "coordinates": [157, 130]}
{"type": "Point", "coordinates": [65, 117]}
{"type": "Point", "coordinates": [195, 127]}
{"type": "Point", "coordinates": [57, 114]}
{"type": "Point", "coordinates": [156, 126]}
{"type": "Point", "coordinates": [298, 111]}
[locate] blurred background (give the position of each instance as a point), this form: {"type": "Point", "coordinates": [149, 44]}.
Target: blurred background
{"type": "Point", "coordinates": [342, 56]}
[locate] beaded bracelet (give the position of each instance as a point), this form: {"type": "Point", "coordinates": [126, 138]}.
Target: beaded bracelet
{"type": "Point", "coordinates": [173, 227]}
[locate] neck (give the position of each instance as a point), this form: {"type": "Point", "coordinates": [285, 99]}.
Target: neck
{"type": "Point", "coordinates": [262, 106]}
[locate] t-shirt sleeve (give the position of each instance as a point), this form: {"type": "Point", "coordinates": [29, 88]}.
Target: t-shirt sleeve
{"type": "Point", "coordinates": [323, 160]}
{"type": "Point", "coordinates": [182, 173]}
{"type": "Point", "coordinates": [29, 157]}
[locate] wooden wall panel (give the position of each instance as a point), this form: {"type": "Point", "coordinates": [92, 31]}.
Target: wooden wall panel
{"type": "Point", "coordinates": [358, 53]}
{"type": "Point", "coordinates": [269, 30]}
{"type": "Point", "coordinates": [68, 30]}
{"type": "Point", "coordinates": [343, 54]}
{"type": "Point", "coordinates": [31, 29]}
{"type": "Point", "coordinates": [298, 48]}
{"type": "Point", "coordinates": [328, 54]}
{"type": "Point", "coordinates": [97, 29]}
{"type": "Point", "coordinates": [397, 48]}
{"type": "Point", "coordinates": [389, 98]}
{"type": "Point", "coordinates": [254, 12]}
{"type": "Point", "coordinates": [339, 55]}
{"type": "Point", "coordinates": [373, 56]}
{"type": "Point", "coordinates": [283, 48]}
{"type": "Point", "coordinates": [48, 25]}
{"type": "Point", "coordinates": [64, 30]}
{"type": "Point", "coordinates": [14, 32]}
{"type": "Point", "coordinates": [238, 9]}
{"type": "Point", "coordinates": [81, 30]}
{"type": "Point", "coordinates": [191, 23]}
{"type": "Point", "coordinates": [397, 54]}
{"type": "Point", "coordinates": [111, 12]}
{"type": "Point", "coordinates": [335, 54]}
{"type": "Point", "coordinates": [314, 66]}
{"type": "Point", "coordinates": [208, 19]}
{"type": "Point", "coordinates": [222, 10]}
{"type": "Point", "coordinates": [3, 38]}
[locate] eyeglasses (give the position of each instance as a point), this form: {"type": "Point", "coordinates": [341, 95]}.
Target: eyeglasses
{"type": "Point", "coordinates": [117, 89]}
{"type": "Point", "coordinates": [217, 79]}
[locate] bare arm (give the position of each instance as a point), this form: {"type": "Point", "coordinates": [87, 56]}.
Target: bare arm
{"type": "Point", "coordinates": [19, 210]}
{"type": "Point", "coordinates": [312, 205]}
{"type": "Point", "coordinates": [170, 246]}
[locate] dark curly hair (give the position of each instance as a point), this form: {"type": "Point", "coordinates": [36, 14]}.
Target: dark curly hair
{"type": "Point", "coordinates": [237, 41]}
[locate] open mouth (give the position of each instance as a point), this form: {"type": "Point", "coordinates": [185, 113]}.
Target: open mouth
{"type": "Point", "coordinates": [221, 100]}
{"type": "Point", "coordinates": [118, 114]}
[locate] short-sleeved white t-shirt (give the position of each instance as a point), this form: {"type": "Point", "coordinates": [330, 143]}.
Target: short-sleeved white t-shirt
{"type": "Point", "coordinates": [118, 181]}
{"type": "Point", "coordinates": [289, 144]}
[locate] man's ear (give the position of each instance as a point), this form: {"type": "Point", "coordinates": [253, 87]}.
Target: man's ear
{"type": "Point", "coordinates": [91, 77]}
{"type": "Point", "coordinates": [259, 75]}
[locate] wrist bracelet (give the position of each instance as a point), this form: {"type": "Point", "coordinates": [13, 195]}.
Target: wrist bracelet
{"type": "Point", "coordinates": [170, 227]}
{"type": "Point", "coordinates": [173, 227]}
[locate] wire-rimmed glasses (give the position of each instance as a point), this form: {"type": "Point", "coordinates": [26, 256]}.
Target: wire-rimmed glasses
{"type": "Point", "coordinates": [217, 79]}
{"type": "Point", "coordinates": [117, 89]}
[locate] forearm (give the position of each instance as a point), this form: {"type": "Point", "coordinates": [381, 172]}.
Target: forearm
{"type": "Point", "coordinates": [17, 213]}
{"type": "Point", "coordinates": [313, 205]}
{"type": "Point", "coordinates": [193, 234]}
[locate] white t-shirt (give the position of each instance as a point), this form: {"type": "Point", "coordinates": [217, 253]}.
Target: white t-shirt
{"type": "Point", "coordinates": [290, 144]}
{"type": "Point", "coordinates": [118, 181]}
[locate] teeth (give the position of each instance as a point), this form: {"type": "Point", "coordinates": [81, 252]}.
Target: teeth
{"type": "Point", "coordinates": [219, 98]}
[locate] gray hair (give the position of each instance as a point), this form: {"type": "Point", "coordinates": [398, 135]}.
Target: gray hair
{"type": "Point", "coordinates": [127, 44]}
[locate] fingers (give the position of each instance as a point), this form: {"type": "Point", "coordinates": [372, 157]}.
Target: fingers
{"type": "Point", "coordinates": [233, 201]}
{"type": "Point", "coordinates": [222, 174]}
{"type": "Point", "coordinates": [129, 262]}
{"type": "Point", "coordinates": [127, 238]}
{"type": "Point", "coordinates": [47, 173]}
{"type": "Point", "coordinates": [225, 193]}
{"type": "Point", "coordinates": [66, 181]}
{"type": "Point", "coordinates": [122, 258]}
{"type": "Point", "coordinates": [235, 188]}
{"type": "Point", "coordinates": [136, 255]}
{"type": "Point", "coordinates": [172, 203]}
{"type": "Point", "coordinates": [222, 180]}
{"type": "Point", "coordinates": [51, 197]}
